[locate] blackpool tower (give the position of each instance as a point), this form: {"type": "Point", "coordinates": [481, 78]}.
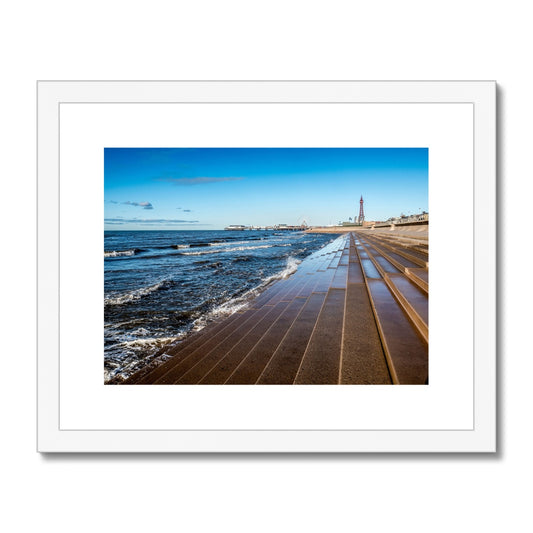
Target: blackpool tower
{"type": "Point", "coordinates": [361, 211]}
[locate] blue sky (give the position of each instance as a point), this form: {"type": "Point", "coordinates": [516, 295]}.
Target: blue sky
{"type": "Point", "coordinates": [210, 188]}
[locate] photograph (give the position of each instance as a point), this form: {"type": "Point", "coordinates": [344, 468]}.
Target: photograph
{"type": "Point", "coordinates": [257, 266]}
{"type": "Point", "coordinates": [266, 233]}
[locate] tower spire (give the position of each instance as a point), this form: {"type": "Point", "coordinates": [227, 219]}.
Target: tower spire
{"type": "Point", "coordinates": [361, 211]}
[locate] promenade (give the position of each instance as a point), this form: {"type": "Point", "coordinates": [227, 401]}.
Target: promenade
{"type": "Point", "coordinates": [355, 312]}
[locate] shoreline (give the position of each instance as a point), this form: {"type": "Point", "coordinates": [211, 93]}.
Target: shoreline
{"type": "Point", "coordinates": [363, 296]}
{"type": "Point", "coordinates": [157, 284]}
{"type": "Point", "coordinates": [219, 313]}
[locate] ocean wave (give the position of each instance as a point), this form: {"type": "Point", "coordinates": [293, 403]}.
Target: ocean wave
{"type": "Point", "coordinates": [120, 253]}
{"type": "Point", "coordinates": [111, 325]}
{"type": "Point", "coordinates": [200, 244]}
{"type": "Point", "coordinates": [133, 356]}
{"type": "Point", "coordinates": [216, 242]}
{"type": "Point", "coordinates": [241, 301]}
{"type": "Point", "coordinates": [290, 268]}
{"type": "Point", "coordinates": [152, 341]}
{"type": "Point", "coordinates": [202, 253]}
{"type": "Point", "coordinates": [236, 249]}
{"type": "Point", "coordinates": [136, 294]}
{"type": "Point", "coordinates": [158, 255]}
{"type": "Point", "coordinates": [216, 265]}
{"type": "Point", "coordinates": [225, 243]}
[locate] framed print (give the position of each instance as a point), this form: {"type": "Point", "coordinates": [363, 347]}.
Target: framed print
{"type": "Point", "coordinates": [244, 266]}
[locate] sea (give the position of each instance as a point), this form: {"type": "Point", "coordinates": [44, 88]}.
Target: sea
{"type": "Point", "coordinates": [159, 286]}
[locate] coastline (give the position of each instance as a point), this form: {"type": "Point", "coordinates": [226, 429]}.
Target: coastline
{"type": "Point", "coordinates": [205, 323]}
{"type": "Point", "coordinates": [162, 285]}
{"type": "Point", "coordinates": [344, 317]}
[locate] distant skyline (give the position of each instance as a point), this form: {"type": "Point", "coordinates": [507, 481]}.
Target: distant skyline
{"type": "Point", "coordinates": [211, 188]}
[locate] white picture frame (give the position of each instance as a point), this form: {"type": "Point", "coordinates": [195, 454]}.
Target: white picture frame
{"type": "Point", "coordinates": [456, 412]}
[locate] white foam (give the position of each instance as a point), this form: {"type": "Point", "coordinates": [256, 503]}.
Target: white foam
{"type": "Point", "coordinates": [135, 295]}
{"type": "Point", "coordinates": [242, 248]}
{"type": "Point", "coordinates": [140, 332]}
{"type": "Point", "coordinates": [152, 341]}
{"type": "Point", "coordinates": [126, 323]}
{"type": "Point", "coordinates": [225, 243]}
{"type": "Point", "coordinates": [236, 249]}
{"type": "Point", "coordinates": [240, 302]}
{"type": "Point", "coordinates": [119, 253]}
{"type": "Point", "coordinates": [202, 253]}
{"type": "Point", "coordinates": [291, 268]}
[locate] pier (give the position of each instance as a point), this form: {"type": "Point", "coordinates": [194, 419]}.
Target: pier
{"type": "Point", "coordinates": [355, 312]}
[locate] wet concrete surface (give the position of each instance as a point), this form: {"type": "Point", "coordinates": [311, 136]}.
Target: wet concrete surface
{"type": "Point", "coordinates": [335, 321]}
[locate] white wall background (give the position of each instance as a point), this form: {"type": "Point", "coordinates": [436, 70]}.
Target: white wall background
{"type": "Point", "coordinates": [278, 39]}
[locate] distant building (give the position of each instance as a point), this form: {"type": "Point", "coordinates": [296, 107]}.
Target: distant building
{"type": "Point", "coordinates": [235, 227]}
{"type": "Point", "coordinates": [358, 220]}
{"type": "Point", "coordinates": [405, 219]}
{"type": "Point", "coordinates": [361, 217]}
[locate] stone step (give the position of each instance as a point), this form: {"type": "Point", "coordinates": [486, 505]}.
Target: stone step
{"type": "Point", "coordinates": [363, 360]}
{"type": "Point", "coordinates": [385, 264]}
{"type": "Point", "coordinates": [370, 270]}
{"type": "Point", "coordinates": [335, 260]}
{"type": "Point", "coordinates": [266, 297]}
{"type": "Point", "coordinates": [182, 349]}
{"type": "Point", "coordinates": [248, 370]}
{"type": "Point", "coordinates": [409, 237]}
{"type": "Point", "coordinates": [398, 260]}
{"type": "Point", "coordinates": [420, 276]}
{"type": "Point", "coordinates": [307, 287]}
{"type": "Point", "coordinates": [270, 296]}
{"type": "Point", "coordinates": [230, 352]}
{"type": "Point", "coordinates": [324, 280]}
{"type": "Point", "coordinates": [326, 261]}
{"type": "Point", "coordinates": [321, 361]}
{"type": "Point", "coordinates": [405, 347]}
{"type": "Point", "coordinates": [340, 278]}
{"type": "Point", "coordinates": [415, 258]}
{"type": "Point", "coordinates": [413, 300]}
{"type": "Point", "coordinates": [293, 285]}
{"type": "Point", "coordinates": [406, 350]}
{"type": "Point", "coordinates": [420, 250]}
{"type": "Point", "coordinates": [285, 362]}
{"type": "Point", "coordinates": [355, 273]}
{"type": "Point", "coordinates": [285, 292]}
{"type": "Point", "coordinates": [229, 337]}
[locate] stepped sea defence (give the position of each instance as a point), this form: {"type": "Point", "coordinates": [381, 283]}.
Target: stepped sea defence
{"type": "Point", "coordinates": [354, 311]}
{"type": "Point", "coordinates": [160, 286]}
